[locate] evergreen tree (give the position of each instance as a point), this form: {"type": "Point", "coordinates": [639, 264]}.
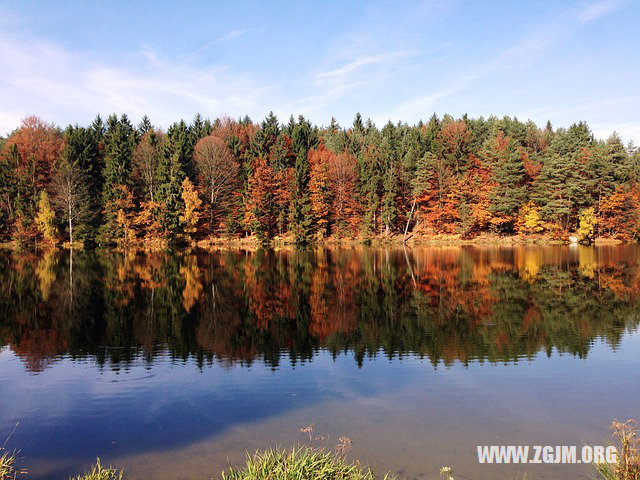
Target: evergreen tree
{"type": "Point", "coordinates": [144, 126]}
{"type": "Point", "coordinates": [388, 207]}
{"type": "Point", "coordinates": [82, 163]}
{"type": "Point", "coordinates": [172, 170]}
{"type": "Point", "coordinates": [554, 190]}
{"type": "Point", "coordinates": [303, 139]}
{"type": "Point", "coordinates": [510, 192]}
{"type": "Point", "coordinates": [119, 139]}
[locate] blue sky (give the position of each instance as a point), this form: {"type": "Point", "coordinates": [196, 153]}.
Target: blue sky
{"type": "Point", "coordinates": [561, 61]}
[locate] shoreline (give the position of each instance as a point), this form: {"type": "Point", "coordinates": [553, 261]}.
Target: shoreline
{"type": "Point", "coordinates": [287, 242]}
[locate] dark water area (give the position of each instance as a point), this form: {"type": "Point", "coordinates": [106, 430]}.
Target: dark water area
{"type": "Point", "coordinates": [174, 366]}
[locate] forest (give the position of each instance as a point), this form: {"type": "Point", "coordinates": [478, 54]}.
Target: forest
{"type": "Point", "coordinates": [115, 183]}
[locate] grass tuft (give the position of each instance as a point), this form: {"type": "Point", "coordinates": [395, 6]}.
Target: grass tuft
{"type": "Point", "coordinates": [98, 472]}
{"type": "Point", "coordinates": [299, 464]}
{"type": "Point", "coordinates": [8, 469]}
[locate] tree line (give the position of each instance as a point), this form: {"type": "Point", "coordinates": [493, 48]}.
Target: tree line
{"type": "Point", "coordinates": [114, 183]}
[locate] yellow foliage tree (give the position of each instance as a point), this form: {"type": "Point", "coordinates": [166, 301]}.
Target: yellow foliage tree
{"type": "Point", "coordinates": [45, 220]}
{"type": "Point", "coordinates": [192, 208]}
{"type": "Point", "coordinates": [125, 215]}
{"type": "Point", "coordinates": [529, 220]}
{"type": "Point", "coordinates": [587, 225]}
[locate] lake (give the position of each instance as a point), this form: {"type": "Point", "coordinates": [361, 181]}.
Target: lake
{"type": "Point", "coordinates": [174, 366]}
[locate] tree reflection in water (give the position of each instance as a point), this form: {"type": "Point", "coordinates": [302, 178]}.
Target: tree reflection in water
{"type": "Point", "coordinates": [447, 304]}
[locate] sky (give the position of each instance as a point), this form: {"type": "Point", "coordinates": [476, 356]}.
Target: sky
{"type": "Point", "coordinates": [402, 61]}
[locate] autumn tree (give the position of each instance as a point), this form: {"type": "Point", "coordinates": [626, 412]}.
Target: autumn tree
{"type": "Point", "coordinates": [219, 174]}
{"type": "Point", "coordinates": [475, 198]}
{"type": "Point", "coordinates": [618, 214]}
{"type": "Point", "coordinates": [33, 149]}
{"type": "Point", "coordinates": [146, 160]}
{"type": "Point", "coordinates": [319, 187]}
{"type": "Point", "coordinates": [587, 226]}
{"type": "Point", "coordinates": [260, 205]}
{"type": "Point", "coordinates": [529, 220]}
{"type": "Point", "coordinates": [192, 209]}
{"type": "Point", "coordinates": [436, 191]}
{"type": "Point", "coordinates": [343, 177]}
{"type": "Point", "coordinates": [70, 194]}
{"type": "Point", "coordinates": [124, 209]}
{"type": "Point", "coordinates": [45, 221]}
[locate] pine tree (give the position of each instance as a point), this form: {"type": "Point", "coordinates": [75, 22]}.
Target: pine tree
{"type": "Point", "coordinates": [553, 190]}
{"type": "Point", "coordinates": [170, 176]}
{"type": "Point", "coordinates": [119, 143]}
{"type": "Point", "coordinates": [510, 192]}
{"type": "Point", "coordinates": [144, 126]}
{"type": "Point", "coordinates": [388, 207]}
{"type": "Point", "coordinates": [304, 138]}
{"type": "Point", "coordinates": [84, 166]}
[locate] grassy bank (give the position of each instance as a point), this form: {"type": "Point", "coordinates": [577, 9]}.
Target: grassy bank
{"type": "Point", "coordinates": [302, 463]}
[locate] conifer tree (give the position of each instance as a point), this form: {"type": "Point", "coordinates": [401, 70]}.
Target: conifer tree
{"type": "Point", "coordinates": [510, 192]}
{"type": "Point", "coordinates": [171, 173]}
{"type": "Point", "coordinates": [303, 138]}
{"type": "Point", "coordinates": [82, 165]}
{"type": "Point", "coordinates": [144, 126]}
{"type": "Point", "coordinates": [119, 141]}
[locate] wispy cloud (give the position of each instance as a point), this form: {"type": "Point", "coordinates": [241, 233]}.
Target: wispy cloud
{"type": "Point", "coordinates": [593, 11]}
{"type": "Point", "coordinates": [64, 85]}
{"type": "Point", "coordinates": [522, 54]}
{"type": "Point", "coordinates": [230, 36]}
{"type": "Point", "coordinates": [358, 63]}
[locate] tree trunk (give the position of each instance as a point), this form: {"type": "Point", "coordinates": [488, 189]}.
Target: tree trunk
{"type": "Point", "coordinates": [70, 228]}
{"type": "Point", "coordinates": [406, 227]}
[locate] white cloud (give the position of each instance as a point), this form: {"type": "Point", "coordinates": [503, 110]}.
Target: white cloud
{"type": "Point", "coordinates": [361, 62]}
{"type": "Point", "coordinates": [231, 36]}
{"type": "Point", "coordinates": [595, 10]}
{"type": "Point", "coordinates": [67, 87]}
{"type": "Point", "coordinates": [531, 47]}
{"type": "Point", "coordinates": [628, 131]}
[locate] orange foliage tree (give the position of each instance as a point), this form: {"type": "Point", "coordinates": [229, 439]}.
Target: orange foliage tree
{"type": "Point", "coordinates": [618, 215]}
{"type": "Point", "coordinates": [261, 205]}
{"type": "Point", "coordinates": [319, 161]}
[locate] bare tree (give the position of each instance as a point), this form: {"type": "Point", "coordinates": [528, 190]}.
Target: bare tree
{"type": "Point", "coordinates": [219, 173]}
{"type": "Point", "coordinates": [69, 194]}
{"type": "Point", "coordinates": [146, 158]}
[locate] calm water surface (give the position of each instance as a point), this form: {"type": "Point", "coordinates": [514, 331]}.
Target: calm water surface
{"type": "Point", "coordinates": [174, 366]}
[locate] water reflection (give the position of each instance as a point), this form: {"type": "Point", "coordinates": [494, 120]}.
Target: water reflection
{"type": "Point", "coordinates": [444, 304]}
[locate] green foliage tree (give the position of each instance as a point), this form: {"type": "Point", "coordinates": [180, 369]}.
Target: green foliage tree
{"type": "Point", "coordinates": [510, 192]}
{"type": "Point", "coordinates": [119, 141]}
